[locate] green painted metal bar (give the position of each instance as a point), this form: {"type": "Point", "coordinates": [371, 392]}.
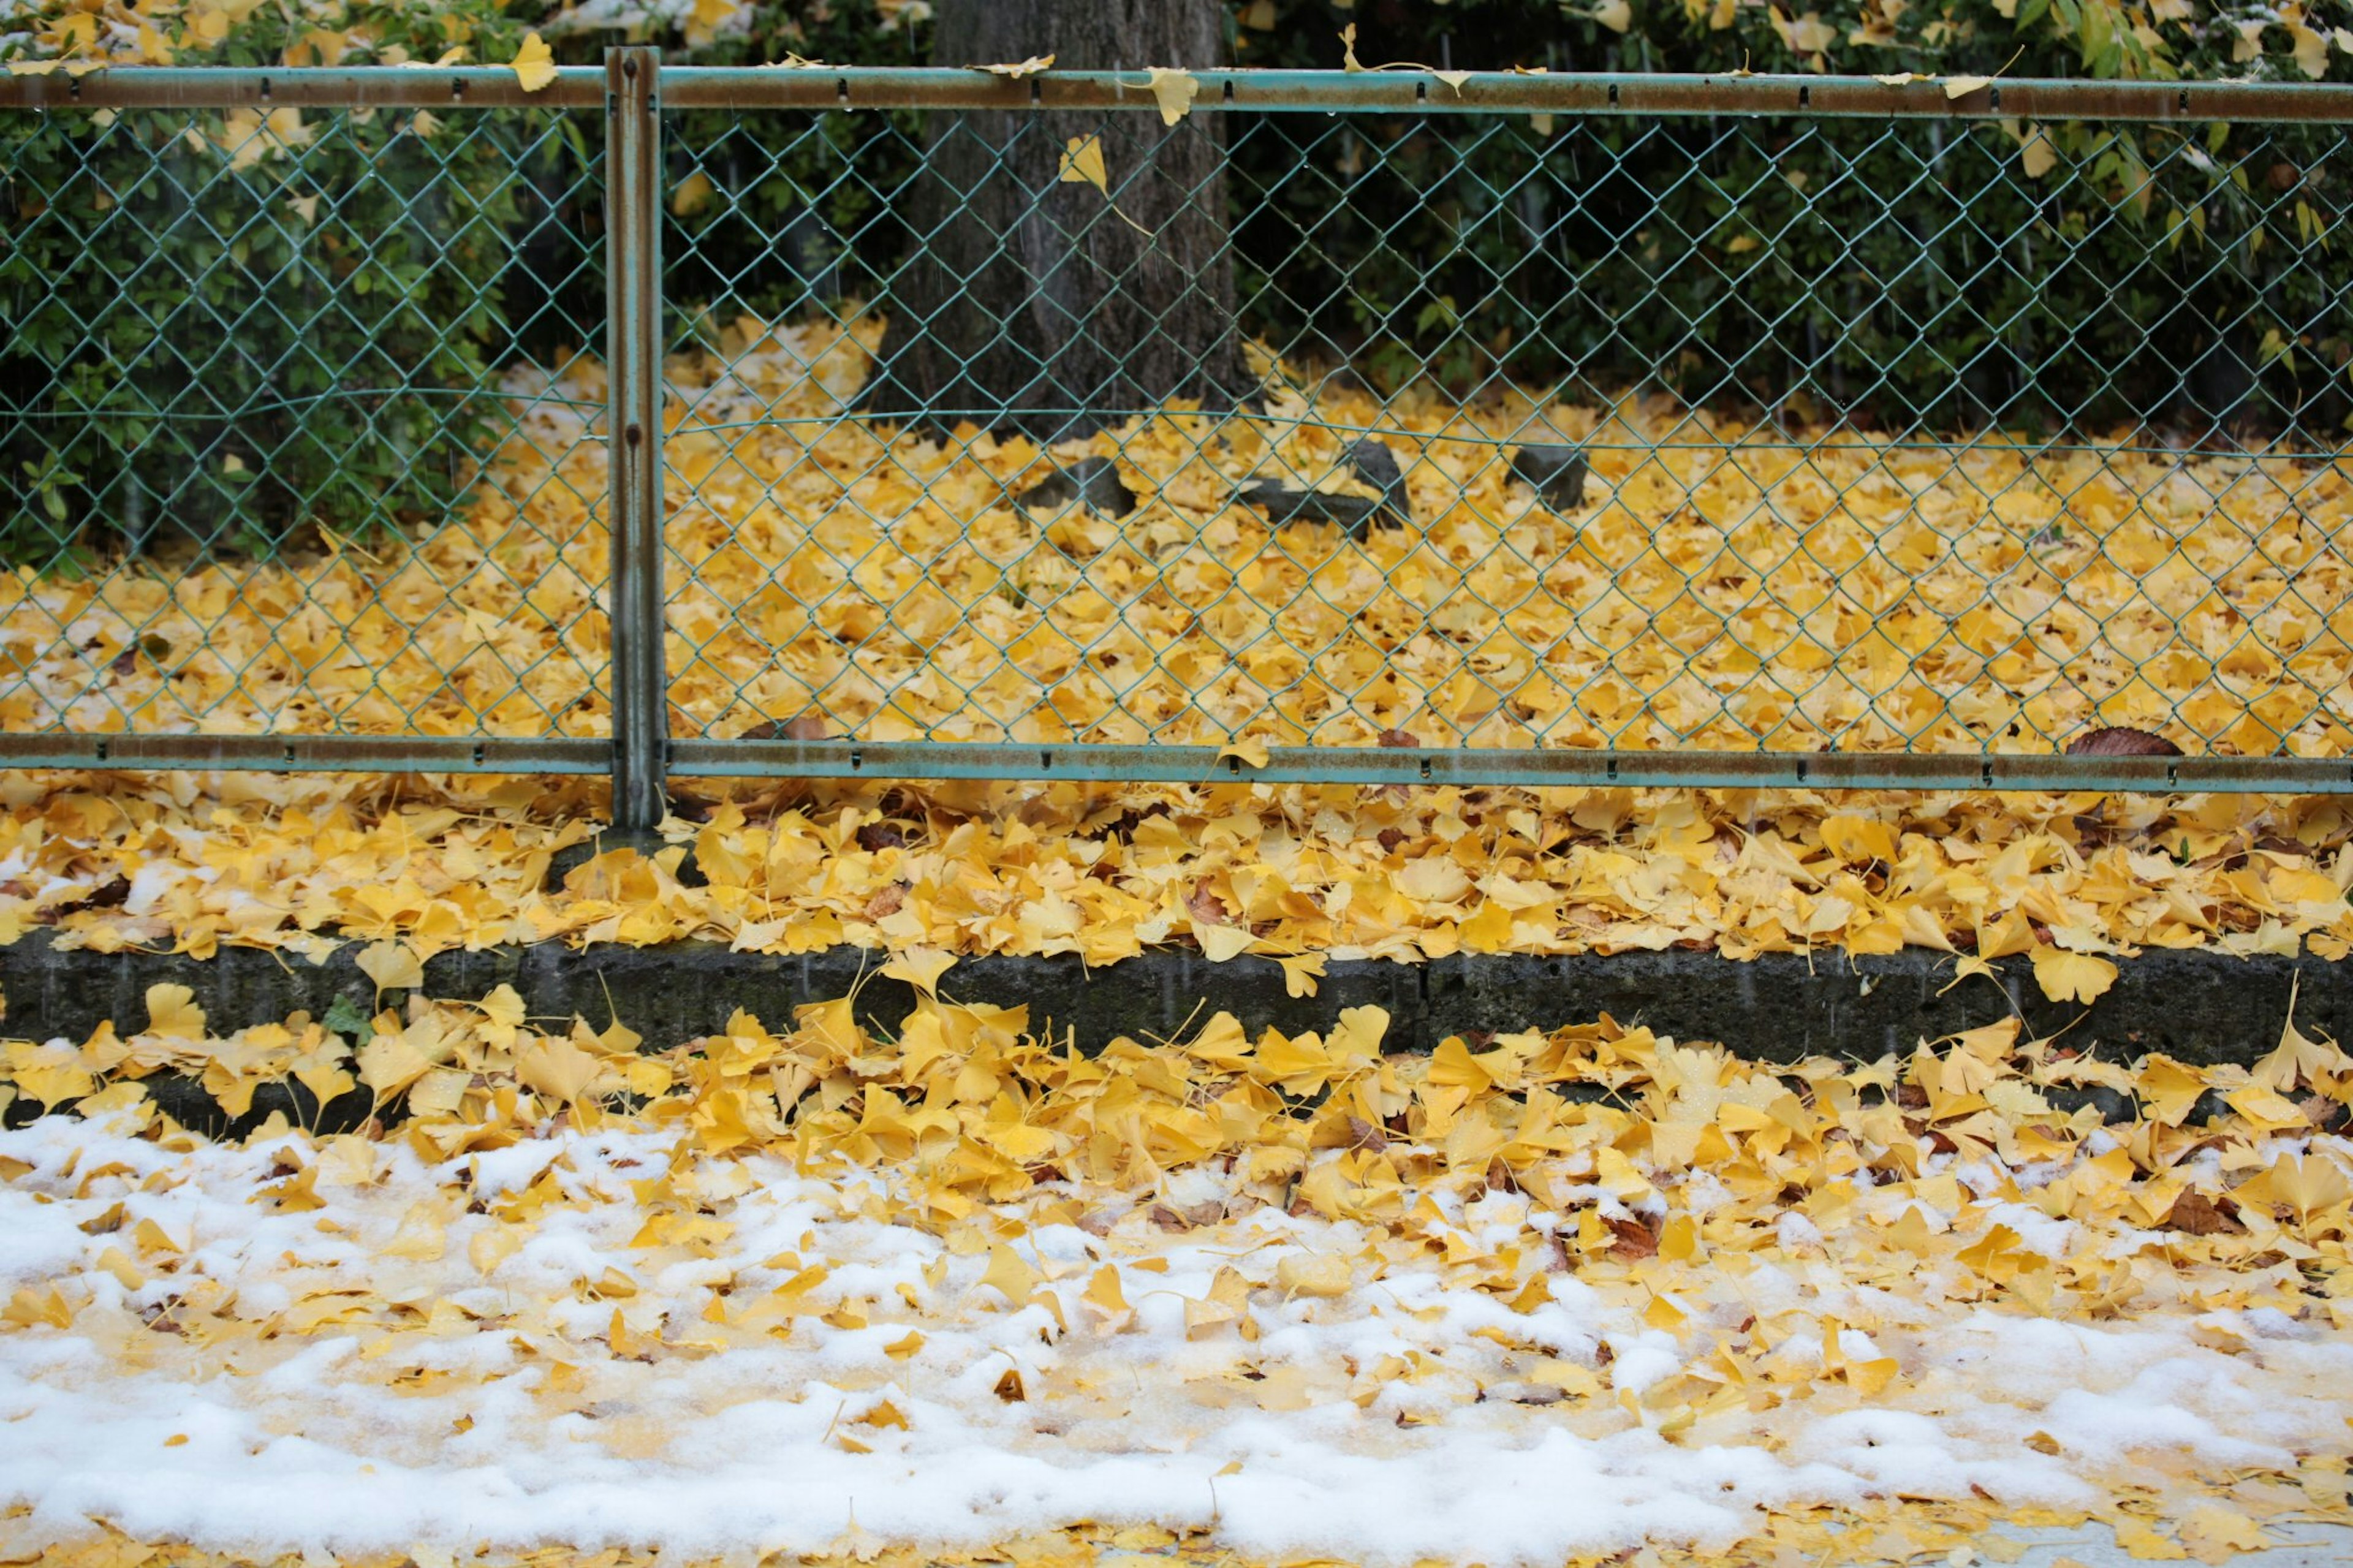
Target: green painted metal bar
{"type": "Point", "coordinates": [307, 753]}
{"type": "Point", "coordinates": [337, 87]}
{"type": "Point", "coordinates": [633, 282]}
{"type": "Point", "coordinates": [1494, 92]}
{"type": "Point", "coordinates": [1492, 765]}
{"type": "Point", "coordinates": [1192, 764]}
{"type": "Point", "coordinates": [1388, 91]}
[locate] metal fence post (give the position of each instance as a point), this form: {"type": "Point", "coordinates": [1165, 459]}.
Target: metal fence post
{"type": "Point", "coordinates": [634, 416]}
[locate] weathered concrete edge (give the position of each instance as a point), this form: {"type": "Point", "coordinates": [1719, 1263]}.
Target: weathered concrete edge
{"type": "Point", "coordinates": [2198, 1005]}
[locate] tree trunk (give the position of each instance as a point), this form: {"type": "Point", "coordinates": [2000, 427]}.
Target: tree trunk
{"type": "Point", "coordinates": [1038, 304]}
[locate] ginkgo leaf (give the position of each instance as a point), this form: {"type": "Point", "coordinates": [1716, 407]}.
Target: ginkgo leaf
{"type": "Point", "coordinates": [921, 967]}
{"type": "Point", "coordinates": [2307, 1183]}
{"type": "Point", "coordinates": [535, 63]}
{"type": "Point", "coordinates": [1314, 1274]}
{"type": "Point", "coordinates": [2320, 1063]}
{"type": "Point", "coordinates": [395, 1059]}
{"type": "Point", "coordinates": [1300, 974]}
{"type": "Point", "coordinates": [49, 1073]}
{"type": "Point", "coordinates": [1221, 942]}
{"type": "Point", "coordinates": [421, 1237]}
{"type": "Point", "coordinates": [1104, 1293]}
{"type": "Point", "coordinates": [172, 1010]}
{"type": "Point", "coordinates": [2309, 48]}
{"type": "Point", "coordinates": [692, 194]}
{"type": "Point", "coordinates": [502, 1014]}
{"type": "Point", "coordinates": [393, 966]}
{"type": "Point", "coordinates": [2067, 976]}
{"type": "Point", "coordinates": [1029, 66]}
{"type": "Point", "coordinates": [2212, 1527]}
{"type": "Point", "coordinates": [1175, 90]}
{"type": "Point", "coordinates": [1249, 753]}
{"type": "Point", "coordinates": [1082, 163]}
{"type": "Point", "coordinates": [1012, 1278]}
{"type": "Point", "coordinates": [1962, 85]}
{"type": "Point", "coordinates": [2036, 156]}
{"type": "Point", "coordinates": [2143, 1541]}
{"type": "Point", "coordinates": [559, 1069]}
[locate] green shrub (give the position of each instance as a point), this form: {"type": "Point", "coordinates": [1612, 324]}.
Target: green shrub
{"type": "Point", "coordinates": [226, 326]}
{"type": "Point", "coordinates": [1891, 272]}
{"type": "Point", "coordinates": [1958, 273]}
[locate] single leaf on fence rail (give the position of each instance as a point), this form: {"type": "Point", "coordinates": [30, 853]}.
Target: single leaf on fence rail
{"type": "Point", "coordinates": [1176, 90]}
{"type": "Point", "coordinates": [2121, 741]}
{"type": "Point", "coordinates": [1031, 66]}
{"type": "Point", "coordinates": [1452, 78]}
{"type": "Point", "coordinates": [535, 63]}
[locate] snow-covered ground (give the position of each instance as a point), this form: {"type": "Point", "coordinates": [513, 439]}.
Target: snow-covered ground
{"type": "Point", "coordinates": [608, 1339]}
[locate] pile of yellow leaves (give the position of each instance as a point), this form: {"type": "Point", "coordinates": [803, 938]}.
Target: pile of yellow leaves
{"type": "Point", "coordinates": [1536, 1248]}
{"type": "Point", "coordinates": [1729, 585]}
{"type": "Point", "coordinates": [115, 862]}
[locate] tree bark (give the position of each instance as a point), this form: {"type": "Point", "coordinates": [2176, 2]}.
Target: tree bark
{"type": "Point", "coordinates": [1038, 304]}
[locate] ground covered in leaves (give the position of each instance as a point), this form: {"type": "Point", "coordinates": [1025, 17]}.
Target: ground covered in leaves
{"type": "Point", "coordinates": [1301, 872]}
{"type": "Point", "coordinates": [1724, 583]}
{"type": "Point", "coordinates": [800, 1291]}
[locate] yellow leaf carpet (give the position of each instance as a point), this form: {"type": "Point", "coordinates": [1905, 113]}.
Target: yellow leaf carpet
{"type": "Point", "coordinates": [958, 1294]}
{"type": "Point", "coordinates": [1106, 871]}
{"type": "Point", "coordinates": [1726, 585]}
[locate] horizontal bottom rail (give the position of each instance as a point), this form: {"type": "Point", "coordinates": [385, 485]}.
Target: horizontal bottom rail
{"type": "Point", "coordinates": [1048, 762]}
{"type": "Point", "coordinates": [310, 753]}
{"type": "Point", "coordinates": [1496, 765]}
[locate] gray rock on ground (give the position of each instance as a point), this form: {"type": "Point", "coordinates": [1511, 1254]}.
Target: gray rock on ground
{"type": "Point", "coordinates": [1556, 473]}
{"type": "Point", "coordinates": [1092, 482]}
{"type": "Point", "coordinates": [1369, 460]}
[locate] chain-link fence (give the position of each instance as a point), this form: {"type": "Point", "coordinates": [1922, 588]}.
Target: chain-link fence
{"type": "Point", "coordinates": [1373, 428]}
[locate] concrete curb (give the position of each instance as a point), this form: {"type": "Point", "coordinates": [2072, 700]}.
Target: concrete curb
{"type": "Point", "coordinates": [2197, 1005]}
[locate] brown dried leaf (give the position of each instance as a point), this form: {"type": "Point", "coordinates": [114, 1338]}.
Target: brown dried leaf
{"type": "Point", "coordinates": [2121, 742]}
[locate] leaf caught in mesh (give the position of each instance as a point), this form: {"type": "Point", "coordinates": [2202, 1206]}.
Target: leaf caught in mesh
{"type": "Point", "coordinates": [1083, 165]}
{"type": "Point", "coordinates": [2121, 742]}
{"type": "Point", "coordinates": [805, 727]}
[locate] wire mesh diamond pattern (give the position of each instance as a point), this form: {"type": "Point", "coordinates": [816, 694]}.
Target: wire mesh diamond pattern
{"type": "Point", "coordinates": [1668, 434]}
{"type": "Point", "coordinates": [295, 435]}
{"type": "Point", "coordinates": [1467, 433]}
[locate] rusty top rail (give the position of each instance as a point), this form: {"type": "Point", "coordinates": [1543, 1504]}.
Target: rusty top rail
{"type": "Point", "coordinates": [1489, 92]}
